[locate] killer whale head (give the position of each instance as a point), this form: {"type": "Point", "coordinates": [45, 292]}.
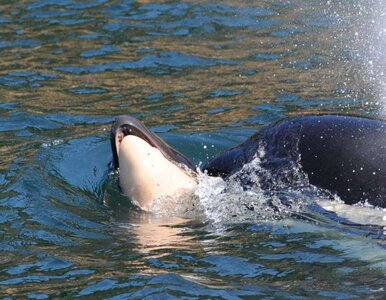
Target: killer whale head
{"type": "Point", "coordinates": [126, 125]}
{"type": "Point", "coordinates": [149, 168]}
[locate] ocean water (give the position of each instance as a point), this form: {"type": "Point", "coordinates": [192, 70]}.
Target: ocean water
{"type": "Point", "coordinates": [204, 75]}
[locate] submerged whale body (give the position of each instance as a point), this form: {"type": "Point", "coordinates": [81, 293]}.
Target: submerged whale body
{"type": "Point", "coordinates": [344, 155]}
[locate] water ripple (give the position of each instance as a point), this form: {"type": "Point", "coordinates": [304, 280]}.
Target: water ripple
{"type": "Point", "coordinates": [171, 60]}
{"type": "Point", "coordinates": [236, 266]}
{"type": "Point", "coordinates": [99, 52]}
{"type": "Point", "coordinates": [24, 43]}
{"type": "Point", "coordinates": [204, 76]}
{"type": "Point", "coordinates": [17, 79]}
{"type": "Point", "coordinates": [48, 264]}
{"type": "Point", "coordinates": [45, 278]}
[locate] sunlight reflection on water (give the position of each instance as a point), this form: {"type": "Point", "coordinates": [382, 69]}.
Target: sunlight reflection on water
{"type": "Point", "coordinates": [204, 76]}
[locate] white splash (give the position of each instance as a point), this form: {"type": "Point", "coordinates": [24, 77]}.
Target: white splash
{"type": "Point", "coordinates": [220, 201]}
{"type": "Point", "coordinates": [370, 44]}
{"type": "Point", "coordinates": [229, 202]}
{"type": "Point", "coordinates": [377, 61]}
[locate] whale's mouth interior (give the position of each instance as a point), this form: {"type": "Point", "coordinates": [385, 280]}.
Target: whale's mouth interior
{"type": "Point", "coordinates": [126, 130]}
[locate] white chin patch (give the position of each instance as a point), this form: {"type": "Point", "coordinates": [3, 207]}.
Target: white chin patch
{"type": "Point", "coordinates": [145, 174]}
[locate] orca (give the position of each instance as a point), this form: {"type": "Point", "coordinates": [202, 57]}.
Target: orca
{"type": "Point", "coordinates": [343, 155]}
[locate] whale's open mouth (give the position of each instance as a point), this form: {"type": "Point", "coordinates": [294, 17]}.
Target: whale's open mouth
{"type": "Point", "coordinates": [126, 125]}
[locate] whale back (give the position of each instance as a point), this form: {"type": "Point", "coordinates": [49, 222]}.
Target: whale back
{"type": "Point", "coordinates": [347, 156]}
{"type": "Point", "coordinates": [342, 154]}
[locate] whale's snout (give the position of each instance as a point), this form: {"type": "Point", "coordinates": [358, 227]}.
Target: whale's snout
{"type": "Point", "coordinates": [126, 125]}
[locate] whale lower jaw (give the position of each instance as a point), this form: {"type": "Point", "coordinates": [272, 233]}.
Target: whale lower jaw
{"type": "Point", "coordinates": [145, 174]}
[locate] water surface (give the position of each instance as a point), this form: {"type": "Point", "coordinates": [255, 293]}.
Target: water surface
{"type": "Point", "coordinates": [205, 76]}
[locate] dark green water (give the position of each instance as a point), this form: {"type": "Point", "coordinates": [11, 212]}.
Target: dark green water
{"type": "Point", "coordinates": [205, 76]}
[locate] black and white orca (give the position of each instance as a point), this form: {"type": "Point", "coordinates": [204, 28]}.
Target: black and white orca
{"type": "Point", "coordinates": [344, 155]}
